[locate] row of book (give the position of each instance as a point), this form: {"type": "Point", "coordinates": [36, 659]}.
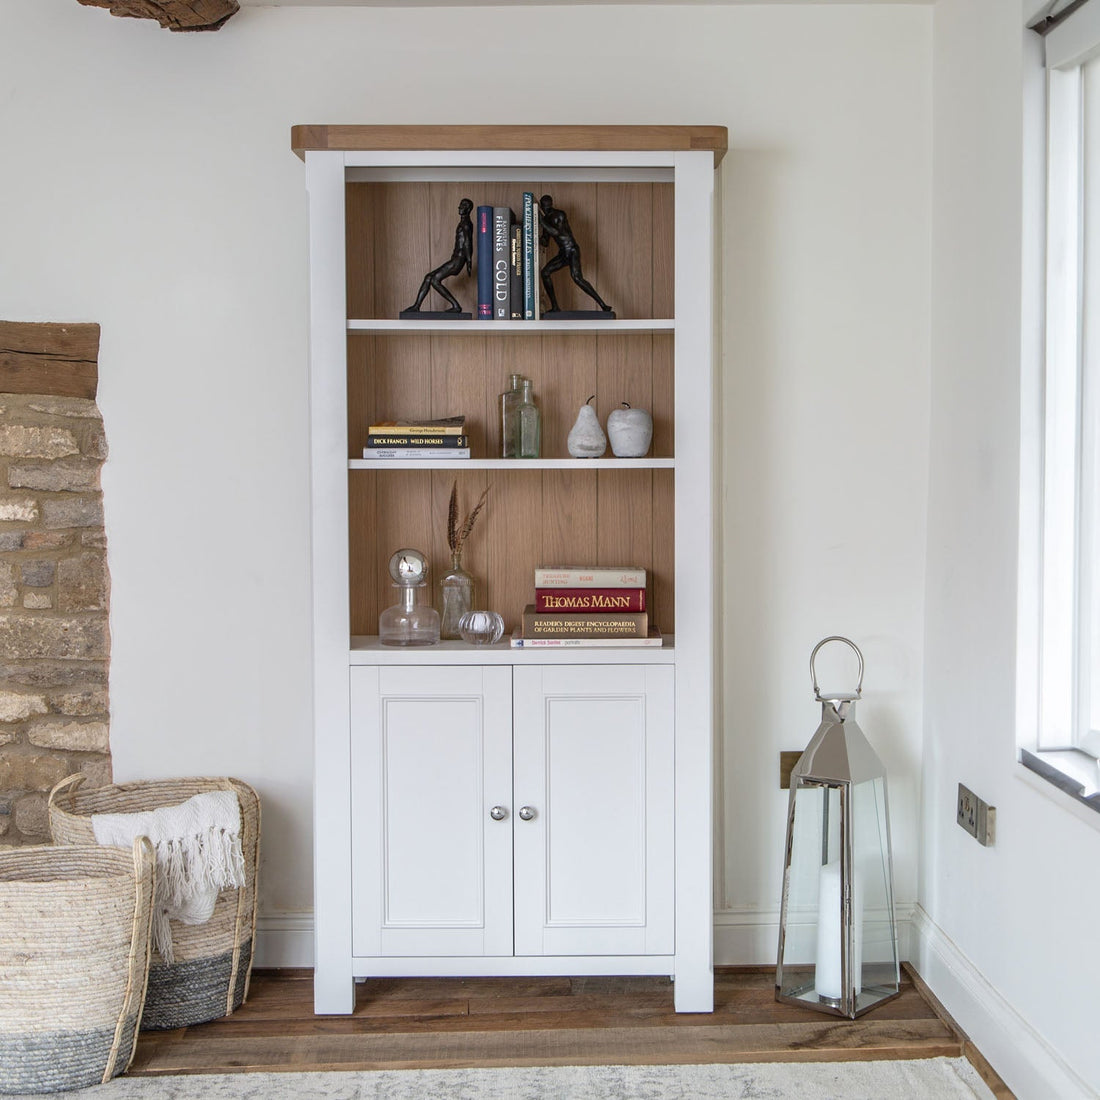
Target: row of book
{"type": "Point", "coordinates": [578, 605]}
{"type": "Point", "coordinates": [508, 262]}
{"type": "Point", "coordinates": [418, 438]}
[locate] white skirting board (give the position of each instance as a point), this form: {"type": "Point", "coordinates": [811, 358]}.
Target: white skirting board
{"type": "Point", "coordinates": [1027, 1064]}
{"type": "Point", "coordinates": [284, 939]}
{"type": "Point", "coordinates": [750, 937]}
{"type": "Point", "coordinates": [744, 937]}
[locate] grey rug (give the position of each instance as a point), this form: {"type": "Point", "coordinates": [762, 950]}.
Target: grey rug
{"type": "Point", "coordinates": [920, 1079]}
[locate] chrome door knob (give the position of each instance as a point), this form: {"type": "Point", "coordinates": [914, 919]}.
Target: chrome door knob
{"type": "Point", "coordinates": [526, 812]}
{"type": "Point", "coordinates": [498, 813]}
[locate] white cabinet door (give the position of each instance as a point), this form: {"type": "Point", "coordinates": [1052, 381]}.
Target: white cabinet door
{"type": "Point", "coordinates": [431, 753]}
{"type": "Point", "coordinates": [594, 754]}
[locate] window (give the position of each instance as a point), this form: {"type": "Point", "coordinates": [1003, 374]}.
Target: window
{"type": "Point", "coordinates": [1069, 616]}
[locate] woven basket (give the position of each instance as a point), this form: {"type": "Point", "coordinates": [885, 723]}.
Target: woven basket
{"type": "Point", "coordinates": [74, 955]}
{"type": "Point", "coordinates": [213, 961]}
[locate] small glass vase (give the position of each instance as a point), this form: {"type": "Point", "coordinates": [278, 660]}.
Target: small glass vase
{"type": "Point", "coordinates": [481, 628]}
{"type": "Point", "coordinates": [458, 597]}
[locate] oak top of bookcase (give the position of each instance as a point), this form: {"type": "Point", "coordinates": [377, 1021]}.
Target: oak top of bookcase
{"type": "Point", "coordinates": [567, 138]}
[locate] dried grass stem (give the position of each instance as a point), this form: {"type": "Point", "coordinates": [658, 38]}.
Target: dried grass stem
{"type": "Point", "coordinates": [457, 533]}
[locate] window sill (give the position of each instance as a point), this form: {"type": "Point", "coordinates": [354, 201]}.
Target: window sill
{"type": "Point", "coordinates": [1067, 775]}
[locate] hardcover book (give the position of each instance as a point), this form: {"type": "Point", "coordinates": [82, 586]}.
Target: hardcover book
{"type": "Point", "coordinates": [584, 624]}
{"type": "Point", "coordinates": [653, 638]}
{"type": "Point", "coordinates": [447, 425]}
{"type": "Point", "coordinates": [590, 599]}
{"type": "Point", "coordinates": [589, 576]}
{"type": "Point", "coordinates": [416, 452]}
{"type": "Point", "coordinates": [484, 230]}
{"type": "Point", "coordinates": [401, 439]}
{"type": "Point", "coordinates": [515, 272]}
{"type": "Point", "coordinates": [530, 256]}
{"type": "Point", "coordinates": [502, 249]}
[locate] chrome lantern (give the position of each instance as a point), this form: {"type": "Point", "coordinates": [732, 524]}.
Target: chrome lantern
{"type": "Point", "coordinates": [837, 935]}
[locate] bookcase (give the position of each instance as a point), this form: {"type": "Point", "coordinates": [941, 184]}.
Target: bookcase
{"type": "Point", "coordinates": [609, 750]}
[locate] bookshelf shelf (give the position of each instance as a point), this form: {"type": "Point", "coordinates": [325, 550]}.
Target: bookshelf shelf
{"type": "Point", "coordinates": [368, 650]}
{"type": "Point", "coordinates": [466, 730]}
{"type": "Point", "coordinates": [510, 328]}
{"type": "Point", "coordinates": [592, 465]}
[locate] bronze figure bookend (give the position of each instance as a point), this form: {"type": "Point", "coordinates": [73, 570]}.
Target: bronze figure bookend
{"type": "Point", "coordinates": [461, 257]}
{"type": "Point", "coordinates": [555, 225]}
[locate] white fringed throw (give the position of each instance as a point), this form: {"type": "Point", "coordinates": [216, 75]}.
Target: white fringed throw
{"type": "Point", "coordinates": [198, 846]}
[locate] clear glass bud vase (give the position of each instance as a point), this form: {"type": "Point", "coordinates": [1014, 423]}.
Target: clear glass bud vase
{"type": "Point", "coordinates": [458, 597]}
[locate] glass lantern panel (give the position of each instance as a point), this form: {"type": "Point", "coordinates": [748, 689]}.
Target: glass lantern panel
{"type": "Point", "coordinates": [875, 962]}
{"type": "Point", "coordinates": [810, 960]}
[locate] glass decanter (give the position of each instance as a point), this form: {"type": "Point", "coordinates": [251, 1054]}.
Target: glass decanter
{"type": "Point", "coordinates": [408, 622]}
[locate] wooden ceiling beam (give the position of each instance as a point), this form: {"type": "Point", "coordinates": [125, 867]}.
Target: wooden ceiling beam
{"type": "Point", "coordinates": [176, 15]}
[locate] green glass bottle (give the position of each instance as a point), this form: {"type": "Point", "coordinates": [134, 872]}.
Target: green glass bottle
{"type": "Point", "coordinates": [529, 435]}
{"type": "Point", "coordinates": [509, 425]}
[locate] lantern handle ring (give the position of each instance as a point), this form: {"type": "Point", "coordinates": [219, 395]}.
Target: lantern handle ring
{"type": "Point", "coordinates": [847, 642]}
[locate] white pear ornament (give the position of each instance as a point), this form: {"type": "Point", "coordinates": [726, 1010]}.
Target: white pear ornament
{"type": "Point", "coordinates": [631, 432]}
{"type": "Point", "coordinates": [586, 438]}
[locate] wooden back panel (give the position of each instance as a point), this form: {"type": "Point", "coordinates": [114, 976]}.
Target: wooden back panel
{"type": "Point", "coordinates": [531, 517]}
{"type": "Point", "coordinates": [396, 233]}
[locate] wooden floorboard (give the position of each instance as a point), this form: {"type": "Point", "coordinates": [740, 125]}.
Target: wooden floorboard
{"type": "Point", "coordinates": [422, 1023]}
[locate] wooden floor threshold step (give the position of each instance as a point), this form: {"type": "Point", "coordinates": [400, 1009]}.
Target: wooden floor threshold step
{"type": "Point", "coordinates": [808, 1042]}
{"type": "Point", "coordinates": [422, 1023]}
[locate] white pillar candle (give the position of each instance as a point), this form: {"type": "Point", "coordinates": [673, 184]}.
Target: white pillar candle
{"type": "Point", "coordinates": [827, 974]}
{"type": "Point", "coordinates": [858, 879]}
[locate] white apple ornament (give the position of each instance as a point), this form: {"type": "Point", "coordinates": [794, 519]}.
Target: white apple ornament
{"type": "Point", "coordinates": [630, 431]}
{"type": "Point", "coordinates": [586, 438]}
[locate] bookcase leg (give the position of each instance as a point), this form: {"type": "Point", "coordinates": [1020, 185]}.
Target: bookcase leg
{"type": "Point", "coordinates": [693, 989]}
{"type": "Point", "coordinates": [333, 994]}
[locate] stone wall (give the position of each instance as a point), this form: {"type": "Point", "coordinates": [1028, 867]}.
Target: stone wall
{"type": "Point", "coordinates": [54, 587]}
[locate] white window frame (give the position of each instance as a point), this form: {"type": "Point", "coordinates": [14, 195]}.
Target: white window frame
{"type": "Point", "coordinates": [1064, 566]}
{"type": "Point", "coordinates": [1063, 734]}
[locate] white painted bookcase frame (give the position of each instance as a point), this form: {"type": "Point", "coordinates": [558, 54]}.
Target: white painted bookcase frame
{"type": "Point", "coordinates": [691, 653]}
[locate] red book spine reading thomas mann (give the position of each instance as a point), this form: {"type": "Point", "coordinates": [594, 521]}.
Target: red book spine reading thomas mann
{"type": "Point", "coordinates": [590, 599]}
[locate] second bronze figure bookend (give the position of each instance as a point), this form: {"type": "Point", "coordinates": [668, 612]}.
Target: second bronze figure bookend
{"type": "Point", "coordinates": [461, 257]}
{"type": "Point", "coordinates": [554, 225]}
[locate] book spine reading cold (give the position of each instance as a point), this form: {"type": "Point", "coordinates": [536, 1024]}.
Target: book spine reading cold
{"type": "Point", "coordinates": [588, 576]}
{"type": "Point", "coordinates": [502, 247]}
{"type": "Point", "coordinates": [590, 599]}
{"type": "Point", "coordinates": [515, 272]}
{"type": "Point", "coordinates": [484, 263]}
{"type": "Point", "coordinates": [584, 624]}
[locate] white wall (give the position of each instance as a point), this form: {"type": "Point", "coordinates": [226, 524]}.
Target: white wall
{"type": "Point", "coordinates": [148, 184]}
{"type": "Point", "coordinates": [1007, 933]}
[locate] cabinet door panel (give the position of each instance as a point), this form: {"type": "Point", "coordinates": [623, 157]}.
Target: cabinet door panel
{"type": "Point", "coordinates": [431, 755]}
{"type": "Point", "coordinates": [594, 759]}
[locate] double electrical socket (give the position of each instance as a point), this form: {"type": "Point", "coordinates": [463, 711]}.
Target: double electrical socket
{"type": "Point", "coordinates": [978, 818]}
